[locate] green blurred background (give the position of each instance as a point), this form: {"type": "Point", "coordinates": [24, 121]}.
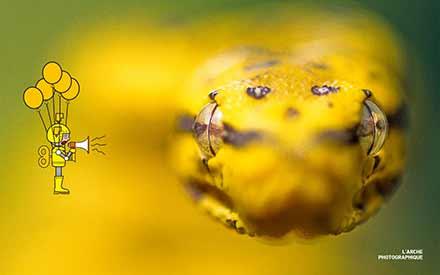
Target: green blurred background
{"type": "Point", "coordinates": [139, 231]}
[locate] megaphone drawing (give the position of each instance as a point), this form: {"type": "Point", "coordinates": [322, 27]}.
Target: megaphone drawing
{"type": "Point", "coordinates": [84, 145]}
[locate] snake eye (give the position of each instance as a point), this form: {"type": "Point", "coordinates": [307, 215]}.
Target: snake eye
{"type": "Point", "coordinates": [208, 130]}
{"type": "Point", "coordinates": [373, 128]}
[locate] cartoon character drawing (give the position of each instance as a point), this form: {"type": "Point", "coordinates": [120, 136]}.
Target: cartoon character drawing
{"type": "Point", "coordinates": [56, 85]}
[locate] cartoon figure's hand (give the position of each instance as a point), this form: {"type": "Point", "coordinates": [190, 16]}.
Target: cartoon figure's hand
{"type": "Point", "coordinates": [66, 158]}
{"type": "Point", "coordinates": [58, 152]}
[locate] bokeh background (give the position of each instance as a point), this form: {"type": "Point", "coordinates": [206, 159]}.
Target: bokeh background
{"type": "Point", "coordinates": [126, 213]}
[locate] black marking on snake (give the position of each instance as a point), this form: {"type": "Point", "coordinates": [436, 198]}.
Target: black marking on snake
{"type": "Point", "coordinates": [205, 165]}
{"type": "Point", "coordinates": [320, 66]}
{"type": "Point", "coordinates": [262, 65]}
{"type": "Point", "coordinates": [387, 187]}
{"type": "Point", "coordinates": [373, 75]}
{"type": "Point", "coordinates": [197, 189]}
{"type": "Point", "coordinates": [258, 92]}
{"type": "Point", "coordinates": [366, 127]}
{"type": "Point", "coordinates": [348, 136]}
{"type": "Point", "coordinates": [252, 49]}
{"type": "Point", "coordinates": [291, 113]}
{"type": "Point", "coordinates": [233, 225]}
{"type": "Point", "coordinates": [358, 202]}
{"type": "Point", "coordinates": [195, 193]}
{"type": "Point", "coordinates": [376, 162]}
{"type": "Point", "coordinates": [239, 138]}
{"type": "Point", "coordinates": [384, 187]}
{"type": "Point", "coordinates": [367, 93]}
{"type": "Point", "coordinates": [199, 128]}
{"type": "Point", "coordinates": [324, 90]}
{"type": "Point", "coordinates": [400, 118]}
{"type": "Point", "coordinates": [184, 123]}
{"type": "Point", "coordinates": [213, 94]}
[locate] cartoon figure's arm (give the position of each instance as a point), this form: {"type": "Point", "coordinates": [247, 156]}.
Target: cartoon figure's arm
{"type": "Point", "coordinates": [61, 154]}
{"type": "Point", "coordinates": [71, 153]}
{"type": "Point", "coordinates": [67, 156]}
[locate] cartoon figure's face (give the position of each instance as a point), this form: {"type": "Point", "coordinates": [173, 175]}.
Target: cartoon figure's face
{"type": "Point", "coordinates": [65, 138]}
{"type": "Point", "coordinates": [58, 134]}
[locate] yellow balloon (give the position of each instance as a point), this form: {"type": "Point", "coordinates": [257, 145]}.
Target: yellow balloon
{"type": "Point", "coordinates": [64, 84]}
{"type": "Point", "coordinates": [73, 91]}
{"type": "Point", "coordinates": [45, 88]}
{"type": "Point", "coordinates": [52, 72]}
{"type": "Point", "coordinates": [33, 98]}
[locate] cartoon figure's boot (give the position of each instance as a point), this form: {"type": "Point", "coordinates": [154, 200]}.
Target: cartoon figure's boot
{"type": "Point", "coordinates": [58, 187]}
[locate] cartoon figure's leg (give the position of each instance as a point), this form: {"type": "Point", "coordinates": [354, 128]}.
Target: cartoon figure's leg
{"type": "Point", "coordinates": [58, 184]}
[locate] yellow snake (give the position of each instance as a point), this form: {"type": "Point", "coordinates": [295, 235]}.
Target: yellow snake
{"type": "Point", "coordinates": [299, 127]}
{"type": "Point", "coordinates": [284, 120]}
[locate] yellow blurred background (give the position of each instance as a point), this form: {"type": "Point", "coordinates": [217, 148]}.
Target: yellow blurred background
{"type": "Point", "coordinates": [126, 213]}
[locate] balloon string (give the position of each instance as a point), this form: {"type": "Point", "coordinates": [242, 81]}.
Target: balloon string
{"type": "Point", "coordinates": [53, 106]}
{"type": "Point", "coordinates": [42, 120]}
{"type": "Point", "coordinates": [59, 104]}
{"type": "Point", "coordinates": [48, 112]}
{"type": "Point", "coordinates": [67, 111]}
